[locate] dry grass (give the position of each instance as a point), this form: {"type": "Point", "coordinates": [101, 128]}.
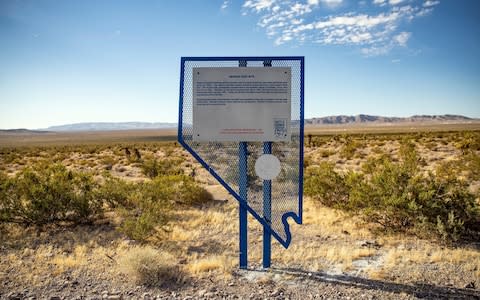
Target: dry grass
{"type": "Point", "coordinates": [332, 221]}
{"type": "Point", "coordinates": [76, 259]}
{"type": "Point", "coordinates": [40, 257]}
{"type": "Point", "coordinates": [149, 266]}
{"type": "Point", "coordinates": [408, 260]}
{"type": "Point", "coordinates": [426, 253]}
{"type": "Point", "coordinates": [222, 263]}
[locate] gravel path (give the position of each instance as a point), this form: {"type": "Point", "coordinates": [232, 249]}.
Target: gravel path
{"type": "Point", "coordinates": [244, 284]}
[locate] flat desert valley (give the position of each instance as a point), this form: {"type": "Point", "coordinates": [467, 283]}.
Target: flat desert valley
{"type": "Point", "coordinates": [390, 212]}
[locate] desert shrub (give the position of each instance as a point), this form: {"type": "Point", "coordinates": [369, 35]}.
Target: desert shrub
{"type": "Point", "coordinates": [327, 186]}
{"type": "Point", "coordinates": [307, 161]}
{"type": "Point", "coordinates": [108, 160]}
{"type": "Point", "coordinates": [9, 155]}
{"type": "Point", "coordinates": [47, 193]}
{"type": "Point", "coordinates": [115, 192]}
{"type": "Point", "coordinates": [377, 150]}
{"type": "Point", "coordinates": [468, 141]}
{"type": "Point", "coordinates": [448, 208]}
{"type": "Point", "coordinates": [176, 189]}
{"type": "Point", "coordinates": [4, 210]}
{"type": "Point", "coordinates": [324, 153]}
{"type": "Point", "coordinates": [467, 166]}
{"type": "Point", "coordinates": [471, 162]}
{"type": "Point", "coordinates": [169, 150]}
{"type": "Point", "coordinates": [384, 196]}
{"type": "Point", "coordinates": [140, 224]}
{"type": "Point", "coordinates": [349, 148]}
{"type": "Point", "coordinates": [150, 267]}
{"type": "Point", "coordinates": [399, 197]}
{"type": "Point", "coordinates": [168, 166]}
{"type": "Point", "coordinates": [411, 161]}
{"type": "Point", "coordinates": [151, 202]}
{"type": "Point", "coordinates": [432, 145]}
{"type": "Point", "coordinates": [143, 212]}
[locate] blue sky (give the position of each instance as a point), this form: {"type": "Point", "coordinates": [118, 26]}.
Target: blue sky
{"type": "Point", "coordinates": [85, 61]}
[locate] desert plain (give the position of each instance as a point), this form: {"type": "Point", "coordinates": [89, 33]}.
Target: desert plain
{"type": "Point", "coordinates": [183, 244]}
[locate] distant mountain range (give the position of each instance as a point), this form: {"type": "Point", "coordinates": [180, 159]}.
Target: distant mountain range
{"type": "Point", "coordinates": [368, 119]}
{"type": "Point", "coordinates": [330, 120]}
{"type": "Point", "coordinates": [21, 131]}
{"type": "Point", "coordinates": [110, 126]}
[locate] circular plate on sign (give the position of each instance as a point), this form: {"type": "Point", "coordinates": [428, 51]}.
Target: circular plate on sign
{"type": "Point", "coordinates": [267, 167]}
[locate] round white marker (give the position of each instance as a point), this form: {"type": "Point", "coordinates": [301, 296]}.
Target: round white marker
{"type": "Point", "coordinates": [267, 167]}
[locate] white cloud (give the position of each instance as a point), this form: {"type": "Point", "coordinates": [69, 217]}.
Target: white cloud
{"type": "Point", "coordinates": [384, 2]}
{"type": "Point", "coordinates": [424, 12]}
{"type": "Point", "coordinates": [331, 3]}
{"type": "Point", "coordinates": [430, 3]}
{"type": "Point", "coordinates": [402, 38]}
{"type": "Point", "coordinates": [258, 5]}
{"type": "Point", "coordinates": [225, 4]}
{"type": "Point", "coordinates": [360, 21]}
{"type": "Point", "coordinates": [294, 21]}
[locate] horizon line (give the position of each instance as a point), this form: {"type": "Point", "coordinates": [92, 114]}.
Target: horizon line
{"type": "Point", "coordinates": [176, 123]}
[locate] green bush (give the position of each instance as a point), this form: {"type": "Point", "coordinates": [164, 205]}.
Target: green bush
{"type": "Point", "coordinates": [471, 163]}
{"type": "Point", "coordinates": [467, 166]}
{"type": "Point", "coordinates": [175, 189]}
{"type": "Point", "coordinates": [4, 210]}
{"type": "Point", "coordinates": [168, 166]}
{"type": "Point", "coordinates": [468, 142]}
{"type": "Point", "coordinates": [115, 192]}
{"type": "Point", "coordinates": [399, 197]}
{"type": "Point", "coordinates": [151, 203]}
{"type": "Point", "coordinates": [48, 193]}
{"type": "Point", "coordinates": [349, 148]}
{"type": "Point", "coordinates": [141, 224]}
{"type": "Point", "coordinates": [324, 184]}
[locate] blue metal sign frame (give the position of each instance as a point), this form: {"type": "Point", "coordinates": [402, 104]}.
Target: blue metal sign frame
{"type": "Point", "coordinates": [241, 196]}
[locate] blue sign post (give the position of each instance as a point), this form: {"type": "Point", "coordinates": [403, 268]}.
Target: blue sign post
{"type": "Point", "coordinates": [243, 240]}
{"type": "Point", "coordinates": [240, 112]}
{"type": "Point", "coordinates": [267, 212]}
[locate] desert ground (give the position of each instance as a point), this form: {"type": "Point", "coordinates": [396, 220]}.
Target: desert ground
{"type": "Point", "coordinates": [185, 245]}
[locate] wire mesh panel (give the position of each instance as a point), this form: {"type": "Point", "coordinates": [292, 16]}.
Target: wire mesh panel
{"type": "Point", "coordinates": [222, 158]}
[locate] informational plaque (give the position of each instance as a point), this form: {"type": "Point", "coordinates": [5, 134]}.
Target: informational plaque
{"type": "Point", "coordinates": [241, 104]}
{"type": "Point", "coordinates": [242, 119]}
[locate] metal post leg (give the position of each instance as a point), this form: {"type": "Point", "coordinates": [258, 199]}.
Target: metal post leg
{"type": "Point", "coordinates": [267, 203]}
{"type": "Point", "coordinates": [243, 185]}
{"type": "Point", "coordinates": [267, 212]}
{"type": "Point", "coordinates": [242, 210]}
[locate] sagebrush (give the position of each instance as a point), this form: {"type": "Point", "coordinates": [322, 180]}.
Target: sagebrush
{"type": "Point", "coordinates": [398, 196]}
{"type": "Point", "coordinates": [47, 192]}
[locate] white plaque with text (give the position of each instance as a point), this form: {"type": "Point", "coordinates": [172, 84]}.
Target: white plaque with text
{"type": "Point", "coordinates": [242, 104]}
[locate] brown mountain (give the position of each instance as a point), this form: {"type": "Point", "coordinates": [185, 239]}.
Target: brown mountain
{"type": "Point", "coordinates": [369, 119]}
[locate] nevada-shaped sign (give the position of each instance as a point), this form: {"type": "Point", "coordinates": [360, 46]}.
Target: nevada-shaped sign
{"type": "Point", "coordinates": [244, 115]}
